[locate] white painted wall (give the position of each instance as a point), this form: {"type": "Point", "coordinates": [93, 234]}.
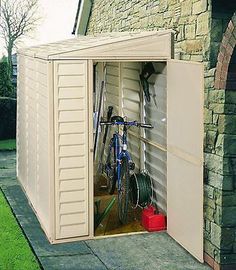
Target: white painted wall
{"type": "Point", "coordinates": [57, 23]}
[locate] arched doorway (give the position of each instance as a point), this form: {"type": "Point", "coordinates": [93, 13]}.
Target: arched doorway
{"type": "Point", "coordinates": [225, 54]}
{"type": "Point", "coordinates": [225, 80]}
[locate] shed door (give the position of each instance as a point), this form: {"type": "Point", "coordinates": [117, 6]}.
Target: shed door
{"type": "Point", "coordinates": [185, 155]}
{"type": "Point", "coordinates": [71, 148]}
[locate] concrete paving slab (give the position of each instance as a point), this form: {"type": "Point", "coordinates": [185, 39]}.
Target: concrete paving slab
{"type": "Point", "coordinates": [77, 262]}
{"type": "Point", "coordinates": [144, 251]}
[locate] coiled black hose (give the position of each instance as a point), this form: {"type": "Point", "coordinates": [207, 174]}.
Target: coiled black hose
{"type": "Point", "coordinates": [140, 189]}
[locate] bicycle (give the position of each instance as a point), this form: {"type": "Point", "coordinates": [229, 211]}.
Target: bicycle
{"type": "Point", "coordinates": [119, 164]}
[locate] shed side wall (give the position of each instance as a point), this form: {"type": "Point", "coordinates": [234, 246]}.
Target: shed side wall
{"type": "Point", "coordinates": [33, 135]}
{"type": "Point", "coordinates": [22, 119]}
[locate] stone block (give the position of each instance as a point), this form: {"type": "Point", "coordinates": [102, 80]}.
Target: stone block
{"type": "Point", "coordinates": [210, 202]}
{"type": "Point", "coordinates": [215, 180]}
{"type": "Point", "coordinates": [211, 127]}
{"type": "Point", "coordinates": [217, 108]}
{"type": "Point", "coordinates": [208, 116]}
{"type": "Point", "coordinates": [214, 163]}
{"type": "Point", "coordinates": [209, 248]}
{"type": "Point", "coordinates": [209, 82]}
{"type": "Point", "coordinates": [190, 31]}
{"type": "Point", "coordinates": [215, 119]}
{"type": "Point", "coordinates": [219, 147]}
{"type": "Point", "coordinates": [200, 6]}
{"type": "Point", "coordinates": [192, 46]}
{"type": "Point", "coordinates": [215, 235]}
{"type": "Point", "coordinates": [218, 197]}
{"type": "Point", "coordinates": [211, 139]}
{"type": "Point", "coordinates": [196, 57]}
{"type": "Point", "coordinates": [186, 8]}
{"type": "Point", "coordinates": [180, 36]}
{"type": "Point", "coordinates": [209, 213]}
{"type": "Point", "coordinates": [211, 72]}
{"type": "Point", "coordinates": [203, 24]}
{"type": "Point", "coordinates": [221, 123]}
{"type": "Point", "coordinates": [206, 98]}
{"type": "Point", "coordinates": [207, 225]}
{"type": "Point", "coordinates": [218, 215]}
{"type": "Point", "coordinates": [209, 191]}
{"type": "Point", "coordinates": [217, 96]}
{"type": "Point", "coordinates": [163, 5]}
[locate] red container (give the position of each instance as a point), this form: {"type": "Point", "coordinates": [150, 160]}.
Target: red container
{"type": "Point", "coordinates": [153, 222]}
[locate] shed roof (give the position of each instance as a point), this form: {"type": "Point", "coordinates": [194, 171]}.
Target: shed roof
{"type": "Point", "coordinates": [116, 45]}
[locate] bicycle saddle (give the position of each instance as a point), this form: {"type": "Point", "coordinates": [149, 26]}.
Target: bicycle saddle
{"type": "Point", "coordinates": [117, 118]}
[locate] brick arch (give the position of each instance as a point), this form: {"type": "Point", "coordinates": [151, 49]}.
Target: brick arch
{"type": "Point", "coordinates": [225, 53]}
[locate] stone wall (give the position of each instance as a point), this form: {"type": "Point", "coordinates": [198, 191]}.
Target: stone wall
{"type": "Point", "coordinates": [190, 19]}
{"type": "Point", "coordinates": [198, 38]}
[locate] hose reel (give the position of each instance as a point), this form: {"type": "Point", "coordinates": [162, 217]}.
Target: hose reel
{"type": "Point", "coordinates": [140, 189]}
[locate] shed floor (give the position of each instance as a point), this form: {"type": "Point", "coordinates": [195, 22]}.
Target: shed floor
{"type": "Point", "coordinates": [154, 251]}
{"type": "Point", "coordinates": [111, 225]}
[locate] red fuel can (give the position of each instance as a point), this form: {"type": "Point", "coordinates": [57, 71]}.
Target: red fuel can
{"type": "Point", "coordinates": [153, 222]}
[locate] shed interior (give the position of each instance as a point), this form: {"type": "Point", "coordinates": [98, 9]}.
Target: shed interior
{"type": "Point", "coordinates": [123, 91]}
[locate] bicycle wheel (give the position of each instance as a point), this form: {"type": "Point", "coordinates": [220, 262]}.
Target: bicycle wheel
{"type": "Point", "coordinates": [111, 163]}
{"type": "Point", "coordinates": [123, 192]}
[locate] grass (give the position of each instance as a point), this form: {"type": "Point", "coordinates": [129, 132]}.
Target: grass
{"type": "Point", "coordinates": [8, 145]}
{"type": "Point", "coordinates": [15, 252]}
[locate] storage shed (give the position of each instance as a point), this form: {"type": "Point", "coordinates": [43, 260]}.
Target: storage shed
{"type": "Point", "coordinates": [55, 130]}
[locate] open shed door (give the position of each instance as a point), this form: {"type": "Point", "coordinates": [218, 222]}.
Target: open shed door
{"type": "Point", "coordinates": [185, 155]}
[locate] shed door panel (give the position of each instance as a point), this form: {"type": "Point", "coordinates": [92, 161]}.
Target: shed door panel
{"type": "Point", "coordinates": [71, 148]}
{"type": "Point", "coordinates": [185, 155]}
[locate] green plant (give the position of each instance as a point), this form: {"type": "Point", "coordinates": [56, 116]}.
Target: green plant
{"type": "Point", "coordinates": [6, 87]}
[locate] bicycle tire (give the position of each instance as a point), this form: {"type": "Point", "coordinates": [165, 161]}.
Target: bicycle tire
{"type": "Point", "coordinates": [123, 192]}
{"type": "Point", "coordinates": [111, 161]}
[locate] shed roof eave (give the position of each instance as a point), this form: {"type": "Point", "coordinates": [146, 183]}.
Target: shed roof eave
{"type": "Point", "coordinates": [149, 44]}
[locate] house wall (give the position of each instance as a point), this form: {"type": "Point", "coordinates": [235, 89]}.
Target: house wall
{"type": "Point", "coordinates": [199, 29]}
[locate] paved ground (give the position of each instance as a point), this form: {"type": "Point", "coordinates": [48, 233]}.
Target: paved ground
{"type": "Point", "coordinates": [154, 251]}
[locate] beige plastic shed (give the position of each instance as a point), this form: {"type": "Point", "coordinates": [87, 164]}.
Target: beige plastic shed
{"type": "Point", "coordinates": [55, 130]}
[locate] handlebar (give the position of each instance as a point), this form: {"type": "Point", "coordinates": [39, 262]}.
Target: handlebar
{"type": "Point", "coordinates": [131, 123]}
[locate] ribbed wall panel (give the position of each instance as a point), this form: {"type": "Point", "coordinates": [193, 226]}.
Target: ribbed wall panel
{"type": "Point", "coordinates": [33, 134]}
{"type": "Point", "coordinates": [131, 106]}
{"type": "Point", "coordinates": [71, 153]}
{"type": "Point", "coordinates": [155, 163]}
{"type": "Point", "coordinates": [112, 88]}
{"type": "Point", "coordinates": [155, 113]}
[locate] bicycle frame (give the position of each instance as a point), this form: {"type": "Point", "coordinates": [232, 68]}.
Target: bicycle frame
{"type": "Point", "coordinates": [120, 151]}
